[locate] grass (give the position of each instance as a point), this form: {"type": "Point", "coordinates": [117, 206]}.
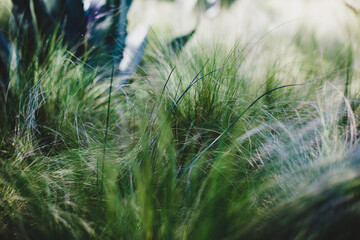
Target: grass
{"type": "Point", "coordinates": [190, 148]}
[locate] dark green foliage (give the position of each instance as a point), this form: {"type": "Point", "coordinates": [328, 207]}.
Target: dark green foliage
{"type": "Point", "coordinates": [107, 34]}
{"type": "Point", "coordinates": [178, 43]}
{"type": "Point", "coordinates": [4, 67]}
{"type": "Point", "coordinates": [68, 15]}
{"type": "Point", "coordinates": [46, 24]}
{"type": "Point", "coordinates": [75, 22]}
{"type": "Point", "coordinates": [80, 30]}
{"type": "Point", "coordinates": [24, 31]}
{"type": "Point", "coordinates": [198, 147]}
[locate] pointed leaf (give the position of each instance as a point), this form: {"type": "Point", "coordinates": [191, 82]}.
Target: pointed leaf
{"type": "Point", "coordinates": [4, 64]}
{"type": "Point", "coordinates": [45, 23]}
{"type": "Point", "coordinates": [121, 26]}
{"type": "Point", "coordinates": [178, 43]}
{"type": "Point", "coordinates": [134, 51]}
{"type": "Point", "coordinates": [24, 30]}
{"type": "Point", "coordinates": [69, 15]}
{"type": "Point", "coordinates": [75, 21]}
{"type": "Point", "coordinates": [107, 28]}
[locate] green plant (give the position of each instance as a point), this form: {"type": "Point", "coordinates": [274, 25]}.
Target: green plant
{"type": "Point", "coordinates": [216, 141]}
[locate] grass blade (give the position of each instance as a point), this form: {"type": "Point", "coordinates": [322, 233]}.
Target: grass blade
{"type": "Point", "coordinates": [197, 157]}
{"type": "Point", "coordinates": [106, 133]}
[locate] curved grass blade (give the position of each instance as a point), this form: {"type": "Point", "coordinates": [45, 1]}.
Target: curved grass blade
{"type": "Point", "coordinates": [195, 80]}
{"type": "Point", "coordinates": [105, 137]}
{"type": "Point", "coordinates": [197, 157]}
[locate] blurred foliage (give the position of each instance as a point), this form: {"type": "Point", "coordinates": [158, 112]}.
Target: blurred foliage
{"type": "Point", "coordinates": [191, 151]}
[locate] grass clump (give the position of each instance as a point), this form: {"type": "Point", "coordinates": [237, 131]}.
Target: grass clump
{"type": "Point", "coordinates": [251, 141]}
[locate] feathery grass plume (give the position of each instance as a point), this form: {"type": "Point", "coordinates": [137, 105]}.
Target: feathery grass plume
{"type": "Point", "coordinates": [47, 166]}
{"type": "Point", "coordinates": [193, 148]}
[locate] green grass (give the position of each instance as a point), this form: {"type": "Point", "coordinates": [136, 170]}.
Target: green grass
{"type": "Point", "coordinates": [185, 158]}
